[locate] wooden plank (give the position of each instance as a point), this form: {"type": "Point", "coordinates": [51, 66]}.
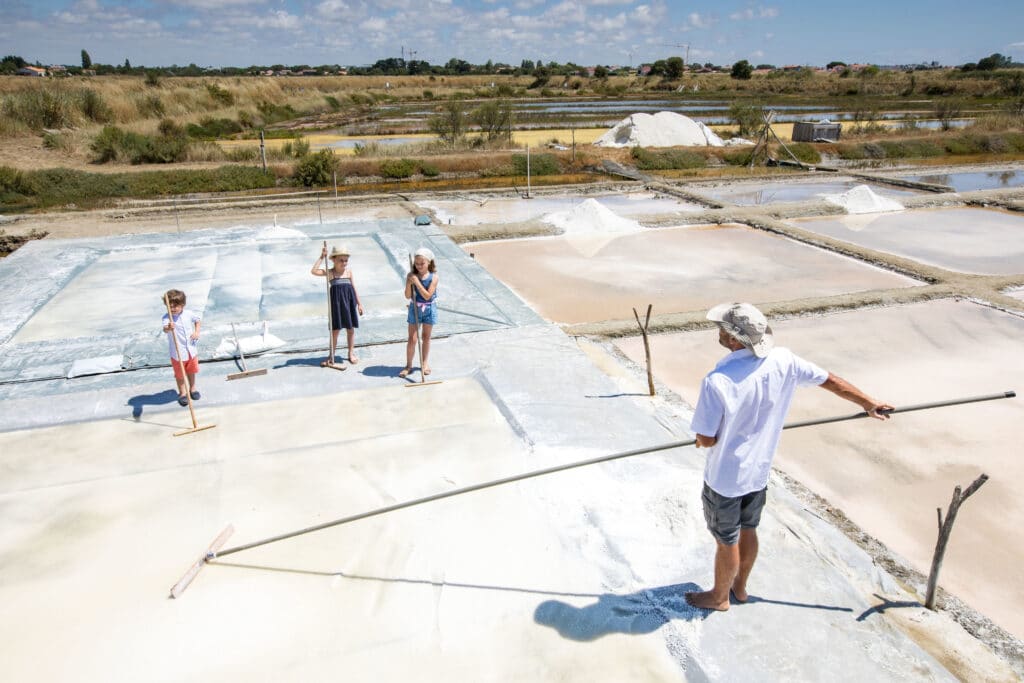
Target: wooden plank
{"type": "Point", "coordinates": [211, 550]}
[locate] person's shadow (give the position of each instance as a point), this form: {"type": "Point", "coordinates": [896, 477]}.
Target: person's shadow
{"type": "Point", "coordinates": [642, 612]}
{"type": "Point", "coordinates": [138, 402]}
{"type": "Point", "coordinates": [386, 370]}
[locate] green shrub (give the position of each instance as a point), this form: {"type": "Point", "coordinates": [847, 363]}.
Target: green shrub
{"type": "Point", "coordinates": [332, 102]}
{"type": "Point", "coordinates": [39, 109]}
{"type": "Point", "coordinates": [272, 113]}
{"type": "Point", "coordinates": [429, 170]}
{"type": "Point", "coordinates": [540, 164]}
{"type": "Point", "coordinates": [213, 129]}
{"type": "Point", "coordinates": [316, 169]}
{"type": "Point", "coordinates": [221, 96]}
{"type": "Point", "coordinates": [397, 168]}
{"type": "Point", "coordinates": [805, 152]}
{"type": "Point", "coordinates": [150, 106]}
{"type": "Point", "coordinates": [106, 146]}
{"type": "Point", "coordinates": [748, 117]}
{"type": "Point", "coordinates": [93, 106]}
{"type": "Point", "coordinates": [113, 143]}
{"type": "Point", "coordinates": [738, 157]}
{"type": "Point", "coordinates": [297, 148]}
{"type": "Point", "coordinates": [14, 182]}
{"type": "Point", "coordinates": [661, 160]}
{"type": "Point", "coordinates": [61, 186]}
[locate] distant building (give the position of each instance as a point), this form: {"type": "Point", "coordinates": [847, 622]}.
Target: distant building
{"type": "Point", "coordinates": [31, 71]}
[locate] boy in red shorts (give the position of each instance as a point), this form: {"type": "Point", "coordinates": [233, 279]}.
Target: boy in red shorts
{"type": "Point", "coordinates": [185, 327]}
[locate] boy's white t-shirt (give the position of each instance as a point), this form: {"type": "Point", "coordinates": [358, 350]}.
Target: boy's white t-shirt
{"type": "Point", "coordinates": [184, 326]}
{"type": "Point", "coordinates": [755, 394]}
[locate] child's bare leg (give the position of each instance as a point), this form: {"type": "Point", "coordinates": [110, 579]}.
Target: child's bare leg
{"type": "Point", "coordinates": [180, 381]}
{"type": "Point", "coordinates": [334, 347]}
{"type": "Point", "coordinates": [410, 351]}
{"type": "Point", "coordinates": [192, 381]}
{"type": "Point", "coordinates": [427, 329]}
{"type": "Point", "coordinates": [350, 335]}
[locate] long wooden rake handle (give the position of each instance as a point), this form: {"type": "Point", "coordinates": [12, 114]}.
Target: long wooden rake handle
{"type": "Point", "coordinates": [584, 463]}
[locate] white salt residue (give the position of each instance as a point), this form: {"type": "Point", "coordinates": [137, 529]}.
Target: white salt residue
{"type": "Point", "coordinates": [861, 199]}
{"type": "Point", "coordinates": [664, 129]}
{"type": "Point", "coordinates": [591, 217]}
{"type": "Point", "coordinates": [251, 345]}
{"type": "Point", "coordinates": [278, 232]}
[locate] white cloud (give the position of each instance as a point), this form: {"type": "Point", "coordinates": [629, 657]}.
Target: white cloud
{"type": "Point", "coordinates": [212, 4]}
{"type": "Point", "coordinates": [608, 23]}
{"type": "Point", "coordinates": [754, 13]}
{"type": "Point", "coordinates": [378, 24]}
{"type": "Point", "coordinates": [333, 8]}
{"type": "Point", "coordinates": [701, 20]}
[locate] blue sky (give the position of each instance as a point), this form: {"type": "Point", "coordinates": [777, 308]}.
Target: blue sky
{"type": "Point", "coordinates": [587, 32]}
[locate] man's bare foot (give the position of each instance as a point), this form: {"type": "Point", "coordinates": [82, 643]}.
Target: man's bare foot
{"type": "Point", "coordinates": [739, 594]}
{"type": "Point", "coordinates": [353, 359]}
{"type": "Point", "coordinates": [707, 600]}
{"type": "Point", "coordinates": [426, 369]}
{"type": "Point", "coordinates": [404, 372]}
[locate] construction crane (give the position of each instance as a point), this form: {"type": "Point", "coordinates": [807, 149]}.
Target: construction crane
{"type": "Point", "coordinates": [686, 46]}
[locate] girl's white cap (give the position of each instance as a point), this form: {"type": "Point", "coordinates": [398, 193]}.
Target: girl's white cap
{"type": "Point", "coordinates": [425, 253]}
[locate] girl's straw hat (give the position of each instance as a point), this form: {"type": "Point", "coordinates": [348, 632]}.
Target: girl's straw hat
{"type": "Point", "coordinates": [339, 251]}
{"type": "Point", "coordinates": [425, 253]}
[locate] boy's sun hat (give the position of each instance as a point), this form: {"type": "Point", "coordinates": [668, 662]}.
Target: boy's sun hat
{"type": "Point", "coordinates": [747, 324]}
{"type": "Point", "coordinates": [425, 253]}
{"type": "Point", "coordinates": [339, 251]}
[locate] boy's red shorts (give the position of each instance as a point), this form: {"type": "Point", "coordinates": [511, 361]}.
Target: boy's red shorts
{"type": "Point", "coordinates": [191, 367]}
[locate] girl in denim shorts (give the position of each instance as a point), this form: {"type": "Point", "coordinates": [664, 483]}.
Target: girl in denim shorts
{"type": "Point", "coordinates": [421, 290]}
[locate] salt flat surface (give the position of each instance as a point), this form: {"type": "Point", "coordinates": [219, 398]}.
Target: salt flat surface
{"type": "Point", "coordinates": [469, 212]}
{"type": "Point", "coordinates": [861, 199]}
{"type": "Point", "coordinates": [889, 478]}
{"type": "Point", "coordinates": [751, 194]}
{"type": "Point", "coordinates": [968, 240]}
{"type": "Point", "coordinates": [969, 182]}
{"type": "Point", "coordinates": [593, 278]}
{"type": "Point", "coordinates": [580, 574]}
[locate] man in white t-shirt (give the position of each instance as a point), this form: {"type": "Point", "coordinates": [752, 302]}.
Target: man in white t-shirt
{"type": "Point", "coordinates": [739, 417]}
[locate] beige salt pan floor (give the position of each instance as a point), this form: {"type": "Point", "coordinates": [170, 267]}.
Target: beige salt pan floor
{"type": "Point", "coordinates": [136, 507]}
{"type": "Point", "coordinates": [889, 478]}
{"type": "Point", "coordinates": [586, 278]}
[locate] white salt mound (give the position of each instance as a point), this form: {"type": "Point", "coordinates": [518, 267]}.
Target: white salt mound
{"type": "Point", "coordinates": [591, 217]}
{"type": "Point", "coordinates": [861, 199]}
{"type": "Point", "coordinates": [664, 129]}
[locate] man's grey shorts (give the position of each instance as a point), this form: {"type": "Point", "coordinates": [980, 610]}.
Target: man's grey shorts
{"type": "Point", "coordinates": [726, 516]}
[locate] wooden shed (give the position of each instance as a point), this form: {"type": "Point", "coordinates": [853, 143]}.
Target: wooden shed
{"type": "Point", "coordinates": [810, 131]}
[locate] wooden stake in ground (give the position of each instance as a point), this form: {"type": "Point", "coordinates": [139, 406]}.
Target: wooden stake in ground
{"type": "Point", "coordinates": [945, 529]}
{"type": "Point", "coordinates": [184, 375]}
{"type": "Point", "coordinates": [647, 345]}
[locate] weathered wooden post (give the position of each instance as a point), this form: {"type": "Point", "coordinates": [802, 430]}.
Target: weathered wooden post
{"type": "Point", "coordinates": [945, 529]}
{"type": "Point", "coordinates": [647, 345]}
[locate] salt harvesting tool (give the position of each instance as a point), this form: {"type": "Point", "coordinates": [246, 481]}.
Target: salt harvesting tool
{"type": "Point", "coordinates": [184, 376]}
{"type": "Point", "coordinates": [331, 339]}
{"type": "Point", "coordinates": [212, 553]}
{"type": "Point", "coordinates": [419, 337]}
{"type": "Point", "coordinates": [241, 360]}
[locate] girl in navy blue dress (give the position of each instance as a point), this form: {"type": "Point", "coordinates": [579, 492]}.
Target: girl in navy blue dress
{"type": "Point", "coordinates": [421, 290]}
{"type": "Point", "coordinates": [345, 305]}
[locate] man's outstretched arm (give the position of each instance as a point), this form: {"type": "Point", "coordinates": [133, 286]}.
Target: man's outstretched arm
{"type": "Point", "coordinates": [843, 389]}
